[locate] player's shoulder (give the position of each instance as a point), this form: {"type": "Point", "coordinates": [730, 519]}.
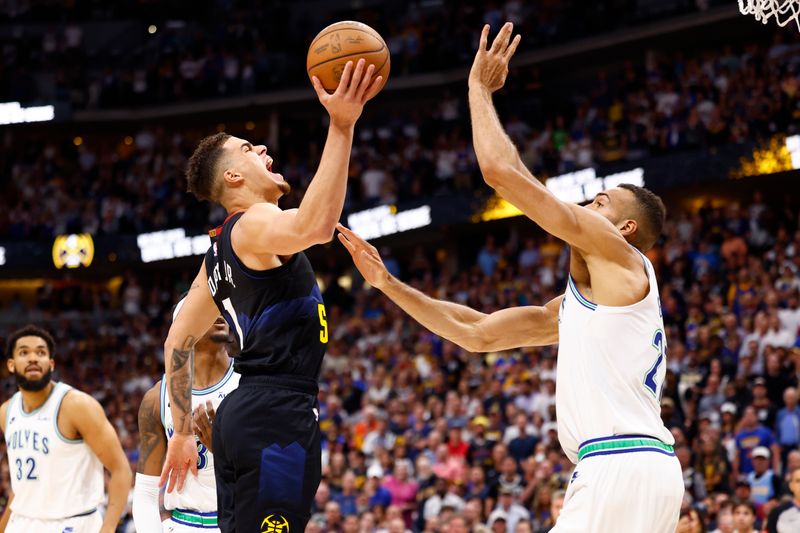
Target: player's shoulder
{"type": "Point", "coordinates": [75, 399]}
{"type": "Point", "coordinates": [152, 398]}
{"type": "Point", "coordinates": [3, 411]}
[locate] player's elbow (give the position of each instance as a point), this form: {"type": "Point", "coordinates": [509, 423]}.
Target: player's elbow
{"type": "Point", "coordinates": [121, 470]}
{"type": "Point", "coordinates": [320, 234]}
{"type": "Point", "coordinates": [494, 171]}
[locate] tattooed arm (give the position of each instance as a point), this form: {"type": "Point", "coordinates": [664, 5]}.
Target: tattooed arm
{"type": "Point", "coordinates": [152, 449]}
{"type": "Point", "coordinates": [197, 314]}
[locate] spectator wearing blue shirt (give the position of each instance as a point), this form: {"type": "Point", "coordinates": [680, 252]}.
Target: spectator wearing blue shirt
{"type": "Point", "coordinates": [787, 424]}
{"type": "Point", "coordinates": [488, 256]}
{"type": "Point", "coordinates": [750, 435]}
{"type": "Point", "coordinates": [378, 494]}
{"type": "Point", "coordinates": [764, 483]}
{"type": "Point", "coordinates": [346, 498]}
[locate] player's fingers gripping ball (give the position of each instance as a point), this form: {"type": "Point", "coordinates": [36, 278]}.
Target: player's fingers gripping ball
{"type": "Point", "coordinates": [346, 41]}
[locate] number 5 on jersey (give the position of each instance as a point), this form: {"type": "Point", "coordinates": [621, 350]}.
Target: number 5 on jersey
{"type": "Point", "coordinates": [323, 322]}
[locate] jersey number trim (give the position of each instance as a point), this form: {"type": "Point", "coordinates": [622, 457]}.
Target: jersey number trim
{"type": "Point", "coordinates": [323, 322]}
{"type": "Point", "coordinates": [228, 306]}
{"type": "Point", "coordinates": [660, 344]}
{"type": "Point", "coordinates": [30, 462]}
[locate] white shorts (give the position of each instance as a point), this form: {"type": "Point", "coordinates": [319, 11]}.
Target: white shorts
{"type": "Point", "coordinates": [79, 524]}
{"type": "Point", "coordinates": [623, 492]}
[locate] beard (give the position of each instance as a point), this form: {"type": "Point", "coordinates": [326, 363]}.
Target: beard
{"type": "Point", "coordinates": [33, 385]}
{"type": "Point", "coordinates": [220, 337]}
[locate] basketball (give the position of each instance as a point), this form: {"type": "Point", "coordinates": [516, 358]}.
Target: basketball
{"type": "Point", "coordinates": [346, 41]}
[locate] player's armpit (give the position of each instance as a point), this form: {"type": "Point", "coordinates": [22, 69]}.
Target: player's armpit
{"type": "Point", "coordinates": [86, 416]}
{"type": "Point", "coordinates": [152, 439]}
{"type": "Point", "coordinates": [266, 229]}
{"type": "Point", "coordinates": [519, 326]}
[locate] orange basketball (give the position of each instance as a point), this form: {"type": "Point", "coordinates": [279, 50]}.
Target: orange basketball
{"type": "Point", "coordinates": [346, 41]}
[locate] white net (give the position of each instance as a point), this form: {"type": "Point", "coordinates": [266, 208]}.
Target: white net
{"type": "Point", "coordinates": [783, 11]}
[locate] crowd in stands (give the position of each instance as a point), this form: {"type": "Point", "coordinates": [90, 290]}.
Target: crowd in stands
{"type": "Point", "coordinates": [421, 435]}
{"type": "Point", "coordinates": [126, 185]}
{"type": "Point", "coordinates": [228, 48]}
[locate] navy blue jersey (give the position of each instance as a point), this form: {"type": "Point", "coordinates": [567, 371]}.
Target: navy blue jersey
{"type": "Point", "coordinates": [277, 315]}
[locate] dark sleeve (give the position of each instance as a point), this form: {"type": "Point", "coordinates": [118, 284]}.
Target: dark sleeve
{"type": "Point", "coordinates": [772, 519]}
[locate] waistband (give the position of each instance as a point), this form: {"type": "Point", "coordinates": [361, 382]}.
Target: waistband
{"type": "Point", "coordinates": [283, 381]}
{"type": "Point", "coordinates": [623, 444]}
{"type": "Point", "coordinates": [187, 517]}
{"type": "Point", "coordinates": [87, 513]}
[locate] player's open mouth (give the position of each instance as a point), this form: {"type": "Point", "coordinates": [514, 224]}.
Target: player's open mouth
{"type": "Point", "coordinates": [268, 163]}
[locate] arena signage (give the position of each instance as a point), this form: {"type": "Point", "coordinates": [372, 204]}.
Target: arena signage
{"type": "Point", "coordinates": [73, 251]}
{"type": "Point", "coordinates": [386, 220]}
{"type": "Point", "coordinates": [170, 244]}
{"type": "Point", "coordinates": [584, 184]}
{"type": "Point", "coordinates": [576, 187]}
{"type": "Point", "coordinates": [14, 113]}
{"type": "Point", "coordinates": [793, 145]}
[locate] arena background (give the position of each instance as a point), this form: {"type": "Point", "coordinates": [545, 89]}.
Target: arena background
{"type": "Point", "coordinates": [104, 101]}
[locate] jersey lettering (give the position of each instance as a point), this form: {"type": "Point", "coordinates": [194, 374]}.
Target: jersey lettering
{"type": "Point", "coordinates": [659, 344]}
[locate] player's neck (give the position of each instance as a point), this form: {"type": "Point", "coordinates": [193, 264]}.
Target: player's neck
{"type": "Point", "coordinates": [246, 201]}
{"type": "Point", "coordinates": [32, 400]}
{"type": "Point", "coordinates": [209, 368]}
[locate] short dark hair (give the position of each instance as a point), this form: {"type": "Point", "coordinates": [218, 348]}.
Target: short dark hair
{"type": "Point", "coordinates": [202, 168]}
{"type": "Point", "coordinates": [30, 331]}
{"type": "Point", "coordinates": [747, 503]}
{"type": "Point", "coordinates": [652, 215]}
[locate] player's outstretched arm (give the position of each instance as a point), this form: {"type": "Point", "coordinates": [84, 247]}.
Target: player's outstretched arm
{"type": "Point", "coordinates": [152, 449]}
{"type": "Point", "coordinates": [197, 314]}
{"type": "Point", "coordinates": [504, 171]}
{"type": "Point", "coordinates": [86, 415]}
{"type": "Point", "coordinates": [472, 330]}
{"type": "Point", "coordinates": [266, 229]}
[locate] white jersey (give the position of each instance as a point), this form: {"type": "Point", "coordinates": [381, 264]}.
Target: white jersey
{"type": "Point", "coordinates": [52, 477]}
{"type": "Point", "coordinates": [611, 368]}
{"type": "Point", "coordinates": [199, 493]}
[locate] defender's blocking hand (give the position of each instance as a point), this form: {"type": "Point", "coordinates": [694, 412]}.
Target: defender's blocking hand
{"type": "Point", "coordinates": [366, 258]}
{"type": "Point", "coordinates": [490, 67]}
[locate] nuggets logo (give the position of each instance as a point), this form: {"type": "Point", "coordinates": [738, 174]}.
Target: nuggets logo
{"type": "Point", "coordinates": [275, 524]}
{"type": "Point", "coordinates": [72, 251]}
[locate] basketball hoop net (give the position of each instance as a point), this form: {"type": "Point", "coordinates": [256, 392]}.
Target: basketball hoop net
{"type": "Point", "coordinates": [784, 11]}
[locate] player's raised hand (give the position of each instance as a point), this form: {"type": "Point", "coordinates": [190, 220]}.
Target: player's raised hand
{"type": "Point", "coordinates": [203, 416]}
{"type": "Point", "coordinates": [366, 258]}
{"type": "Point", "coordinates": [490, 67]}
{"type": "Point", "coordinates": [181, 458]}
{"type": "Point", "coordinates": [356, 86]}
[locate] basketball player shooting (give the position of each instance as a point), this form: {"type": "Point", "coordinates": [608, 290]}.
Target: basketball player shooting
{"type": "Point", "coordinates": [612, 347]}
{"type": "Point", "coordinates": [266, 434]}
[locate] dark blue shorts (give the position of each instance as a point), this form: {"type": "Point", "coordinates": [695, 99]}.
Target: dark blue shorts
{"type": "Point", "coordinates": [267, 462]}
